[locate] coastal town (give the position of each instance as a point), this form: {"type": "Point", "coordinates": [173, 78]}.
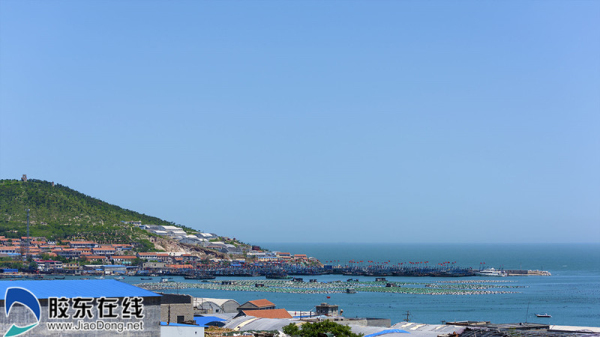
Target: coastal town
{"type": "Point", "coordinates": [187, 252]}
{"type": "Point", "coordinates": [202, 255]}
{"type": "Point", "coordinates": [159, 282]}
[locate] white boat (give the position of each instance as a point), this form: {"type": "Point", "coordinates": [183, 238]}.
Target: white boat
{"type": "Point", "coordinates": [491, 272]}
{"type": "Point", "coordinates": [119, 278]}
{"type": "Point", "coordinates": [543, 315]}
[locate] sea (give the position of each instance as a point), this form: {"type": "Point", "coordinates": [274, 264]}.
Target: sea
{"type": "Point", "coordinates": [571, 295]}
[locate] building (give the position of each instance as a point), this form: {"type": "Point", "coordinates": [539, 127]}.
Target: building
{"type": "Point", "coordinates": [256, 305]}
{"type": "Point", "coordinates": [176, 309]}
{"type": "Point", "coordinates": [327, 309]}
{"type": "Point", "coordinates": [215, 306]}
{"type": "Point", "coordinates": [49, 265]}
{"type": "Point", "coordinates": [269, 313]}
{"type": "Point", "coordinates": [82, 244]}
{"type": "Point", "coordinates": [121, 306]}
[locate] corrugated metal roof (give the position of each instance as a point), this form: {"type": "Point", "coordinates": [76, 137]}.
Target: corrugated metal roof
{"type": "Point", "coordinates": [77, 288]}
{"type": "Point", "coordinates": [387, 331]}
{"type": "Point", "coordinates": [204, 320]}
{"type": "Point", "coordinates": [218, 301]}
{"type": "Point", "coordinates": [266, 324]}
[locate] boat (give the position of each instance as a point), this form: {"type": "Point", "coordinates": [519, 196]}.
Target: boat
{"type": "Point", "coordinates": [350, 291]}
{"type": "Point", "coordinates": [119, 278]}
{"type": "Point", "coordinates": [278, 276]}
{"type": "Point", "coordinates": [165, 280]}
{"type": "Point", "coordinates": [146, 278]}
{"type": "Point", "coordinates": [59, 277]}
{"type": "Point", "coordinates": [491, 272]}
{"type": "Point", "coordinates": [200, 277]}
{"type": "Point", "coordinates": [543, 315]}
{"type": "Point", "coordinates": [99, 277]}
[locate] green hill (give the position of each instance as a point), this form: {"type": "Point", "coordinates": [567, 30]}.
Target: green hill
{"type": "Point", "coordinates": [60, 213]}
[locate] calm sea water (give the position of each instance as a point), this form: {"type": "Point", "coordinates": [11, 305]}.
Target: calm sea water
{"type": "Point", "coordinates": [571, 295]}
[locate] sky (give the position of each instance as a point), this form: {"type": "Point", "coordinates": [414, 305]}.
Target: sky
{"type": "Point", "coordinates": [314, 121]}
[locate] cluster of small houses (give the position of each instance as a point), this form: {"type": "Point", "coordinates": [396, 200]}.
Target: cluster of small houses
{"type": "Point", "coordinates": [123, 254]}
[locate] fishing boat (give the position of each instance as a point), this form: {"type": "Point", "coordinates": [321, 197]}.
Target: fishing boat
{"type": "Point", "coordinates": [491, 272]}
{"type": "Point", "coordinates": [200, 277]}
{"type": "Point", "coordinates": [543, 315]}
{"type": "Point", "coordinates": [278, 276]}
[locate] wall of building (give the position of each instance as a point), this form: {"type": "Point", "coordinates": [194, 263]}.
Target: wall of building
{"type": "Point", "coordinates": [181, 331]}
{"type": "Point", "coordinates": [176, 308]}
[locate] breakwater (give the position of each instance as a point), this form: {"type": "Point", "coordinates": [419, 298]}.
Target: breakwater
{"type": "Point", "coordinates": [283, 270]}
{"type": "Point", "coordinates": [482, 287]}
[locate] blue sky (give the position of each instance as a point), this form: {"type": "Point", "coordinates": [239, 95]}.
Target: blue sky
{"type": "Point", "coordinates": [314, 121]}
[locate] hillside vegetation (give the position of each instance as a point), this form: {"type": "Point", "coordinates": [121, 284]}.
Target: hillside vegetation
{"type": "Point", "coordinates": [60, 213]}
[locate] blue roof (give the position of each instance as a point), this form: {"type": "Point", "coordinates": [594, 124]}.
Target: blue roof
{"type": "Point", "coordinates": [204, 320]}
{"type": "Point", "coordinates": [77, 288]}
{"type": "Point", "coordinates": [386, 332]}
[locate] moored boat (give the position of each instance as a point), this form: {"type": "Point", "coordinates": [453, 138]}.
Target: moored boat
{"type": "Point", "coordinates": [491, 272]}
{"type": "Point", "coordinates": [200, 277]}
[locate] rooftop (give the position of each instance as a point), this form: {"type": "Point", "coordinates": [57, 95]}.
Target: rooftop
{"type": "Point", "coordinates": [262, 303]}
{"type": "Point", "coordinates": [271, 313]}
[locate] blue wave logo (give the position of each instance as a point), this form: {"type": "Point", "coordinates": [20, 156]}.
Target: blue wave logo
{"type": "Point", "coordinates": [27, 298]}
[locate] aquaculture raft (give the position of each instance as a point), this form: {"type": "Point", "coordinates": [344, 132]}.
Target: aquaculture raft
{"type": "Point", "coordinates": [470, 287]}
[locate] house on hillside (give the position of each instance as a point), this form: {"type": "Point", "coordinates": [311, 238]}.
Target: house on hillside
{"type": "Point", "coordinates": [82, 244]}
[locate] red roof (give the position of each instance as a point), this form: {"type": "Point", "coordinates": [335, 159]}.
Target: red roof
{"type": "Point", "coordinates": [262, 303]}
{"type": "Point", "coordinates": [269, 313]}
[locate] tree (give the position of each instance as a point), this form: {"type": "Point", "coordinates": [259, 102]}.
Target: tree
{"type": "Point", "coordinates": [319, 329]}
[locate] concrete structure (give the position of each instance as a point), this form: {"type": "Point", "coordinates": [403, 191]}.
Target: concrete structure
{"type": "Point", "coordinates": [181, 330]}
{"type": "Point", "coordinates": [176, 308]}
{"type": "Point", "coordinates": [327, 310]}
{"type": "Point", "coordinates": [83, 303]}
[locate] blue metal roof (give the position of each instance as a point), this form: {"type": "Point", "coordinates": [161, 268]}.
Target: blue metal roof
{"type": "Point", "coordinates": [386, 332]}
{"type": "Point", "coordinates": [204, 320]}
{"type": "Point", "coordinates": [77, 288]}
